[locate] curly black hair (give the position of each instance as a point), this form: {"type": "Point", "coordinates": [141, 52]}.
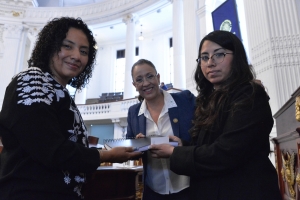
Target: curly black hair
{"type": "Point", "coordinates": [49, 42]}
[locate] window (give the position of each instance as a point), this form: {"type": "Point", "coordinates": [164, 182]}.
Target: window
{"type": "Point", "coordinates": [120, 69]}
{"type": "Point", "coordinates": [171, 59]}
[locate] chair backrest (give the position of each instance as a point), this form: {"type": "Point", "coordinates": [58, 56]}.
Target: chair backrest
{"type": "Point", "coordinates": [93, 140]}
{"type": "Point", "coordinates": [104, 94]}
{"type": "Point", "coordinates": [117, 98]}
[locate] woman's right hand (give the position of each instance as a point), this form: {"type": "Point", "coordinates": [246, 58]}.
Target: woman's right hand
{"type": "Point", "coordinates": [119, 154]}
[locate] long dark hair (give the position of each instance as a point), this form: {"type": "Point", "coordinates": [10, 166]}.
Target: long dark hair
{"type": "Point", "coordinates": [141, 62]}
{"type": "Point", "coordinates": [210, 102]}
{"type": "Point", "coordinates": [49, 42]}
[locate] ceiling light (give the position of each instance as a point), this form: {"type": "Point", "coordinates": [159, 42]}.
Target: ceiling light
{"type": "Point", "coordinates": [141, 36]}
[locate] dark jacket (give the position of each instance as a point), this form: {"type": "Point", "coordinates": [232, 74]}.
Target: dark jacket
{"type": "Point", "coordinates": [231, 161]}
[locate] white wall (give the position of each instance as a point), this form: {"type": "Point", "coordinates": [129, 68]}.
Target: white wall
{"type": "Point", "coordinates": [154, 47]}
{"type": "Point", "coordinates": [103, 74]}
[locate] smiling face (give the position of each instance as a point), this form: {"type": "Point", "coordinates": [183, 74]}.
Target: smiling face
{"type": "Point", "coordinates": [215, 73]}
{"type": "Point", "coordinates": [148, 89]}
{"type": "Point", "coordinates": [72, 58]}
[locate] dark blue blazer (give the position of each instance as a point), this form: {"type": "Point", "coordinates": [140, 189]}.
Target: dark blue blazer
{"type": "Point", "coordinates": [180, 118]}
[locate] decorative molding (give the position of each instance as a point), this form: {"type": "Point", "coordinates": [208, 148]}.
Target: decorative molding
{"type": "Point", "coordinates": [12, 31]}
{"type": "Point", "coordinates": [202, 11]}
{"type": "Point", "coordinates": [19, 3]}
{"type": "Point", "coordinates": [280, 56]}
{"type": "Point", "coordinates": [33, 32]}
{"type": "Point", "coordinates": [91, 13]}
{"type": "Point", "coordinates": [279, 52]}
{"type": "Point", "coordinates": [130, 18]}
{"type": "Point", "coordinates": [11, 12]}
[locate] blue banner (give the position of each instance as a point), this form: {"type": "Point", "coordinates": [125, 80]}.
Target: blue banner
{"type": "Point", "coordinates": [225, 18]}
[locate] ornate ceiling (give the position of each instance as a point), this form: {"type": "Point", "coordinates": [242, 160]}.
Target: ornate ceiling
{"type": "Point", "coordinates": [103, 16]}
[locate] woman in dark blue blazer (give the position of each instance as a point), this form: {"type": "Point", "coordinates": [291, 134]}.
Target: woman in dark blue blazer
{"type": "Point", "coordinates": [160, 113]}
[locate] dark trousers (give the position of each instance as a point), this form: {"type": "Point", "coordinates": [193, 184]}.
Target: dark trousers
{"type": "Point", "coordinates": [149, 194]}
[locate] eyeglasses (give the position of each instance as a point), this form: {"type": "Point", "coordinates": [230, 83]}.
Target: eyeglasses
{"type": "Point", "coordinates": [216, 58]}
{"type": "Point", "coordinates": [148, 77]}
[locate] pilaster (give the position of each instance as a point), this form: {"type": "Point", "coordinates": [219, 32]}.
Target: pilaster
{"type": "Point", "coordinates": [191, 41]}
{"type": "Point", "coordinates": [12, 37]}
{"type": "Point", "coordinates": [178, 46]}
{"type": "Point", "coordinates": [274, 37]}
{"type": "Point", "coordinates": [130, 21]}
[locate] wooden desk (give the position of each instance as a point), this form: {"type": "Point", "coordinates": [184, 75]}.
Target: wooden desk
{"type": "Point", "coordinates": [287, 149]}
{"type": "Point", "coordinates": [113, 183]}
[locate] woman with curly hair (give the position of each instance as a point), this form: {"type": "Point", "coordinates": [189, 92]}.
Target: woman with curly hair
{"type": "Point", "coordinates": [229, 155]}
{"type": "Point", "coordinates": [46, 154]}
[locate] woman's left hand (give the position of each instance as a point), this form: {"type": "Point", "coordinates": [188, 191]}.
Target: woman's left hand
{"type": "Point", "coordinates": [161, 150]}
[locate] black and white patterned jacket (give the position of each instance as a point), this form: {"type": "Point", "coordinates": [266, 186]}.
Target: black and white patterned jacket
{"type": "Point", "coordinates": [44, 140]}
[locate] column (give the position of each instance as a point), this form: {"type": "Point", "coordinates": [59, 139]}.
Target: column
{"type": "Point", "coordinates": [80, 96]}
{"type": "Point", "coordinates": [129, 20]}
{"type": "Point", "coordinates": [178, 45]}
{"type": "Point", "coordinates": [204, 18]}
{"type": "Point", "coordinates": [32, 36]}
{"type": "Point", "coordinates": [12, 37]}
{"type": "Point", "coordinates": [1, 41]}
{"type": "Point", "coordinates": [191, 42]}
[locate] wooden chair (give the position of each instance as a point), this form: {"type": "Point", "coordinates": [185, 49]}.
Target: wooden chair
{"type": "Point", "coordinates": [93, 141]}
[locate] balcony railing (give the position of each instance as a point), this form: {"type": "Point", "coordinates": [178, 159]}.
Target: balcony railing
{"type": "Point", "coordinates": [108, 110]}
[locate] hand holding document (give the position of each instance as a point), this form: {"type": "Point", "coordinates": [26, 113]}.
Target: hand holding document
{"type": "Point", "coordinates": [164, 150]}
{"type": "Point", "coordinates": [139, 144]}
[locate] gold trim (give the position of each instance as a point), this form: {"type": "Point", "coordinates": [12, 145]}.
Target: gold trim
{"type": "Point", "coordinates": [288, 171]}
{"type": "Point", "coordinates": [15, 14]}
{"type": "Point", "coordinates": [297, 107]}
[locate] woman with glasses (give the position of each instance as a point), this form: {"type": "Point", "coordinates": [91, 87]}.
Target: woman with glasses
{"type": "Point", "coordinates": [159, 113]}
{"type": "Point", "coordinates": [228, 158]}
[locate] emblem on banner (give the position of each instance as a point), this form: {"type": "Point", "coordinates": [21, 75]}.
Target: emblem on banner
{"type": "Point", "coordinates": [226, 25]}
